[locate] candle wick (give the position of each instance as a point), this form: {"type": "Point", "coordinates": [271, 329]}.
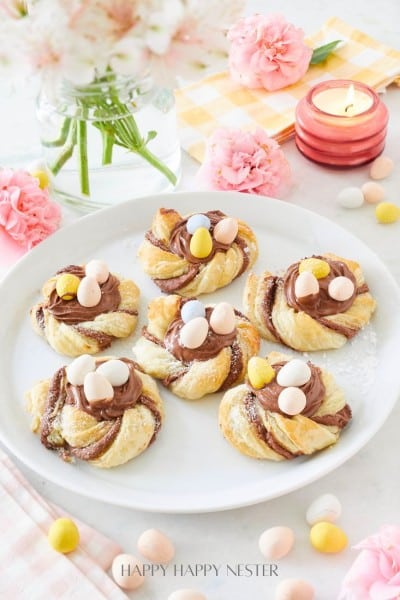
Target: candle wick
{"type": "Point", "coordinates": [348, 107]}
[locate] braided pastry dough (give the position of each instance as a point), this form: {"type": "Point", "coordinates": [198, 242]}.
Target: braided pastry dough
{"type": "Point", "coordinates": [261, 433]}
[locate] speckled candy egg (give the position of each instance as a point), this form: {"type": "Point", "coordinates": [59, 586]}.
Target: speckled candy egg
{"type": "Point", "coordinates": [294, 589]}
{"type": "Point", "coordinates": [193, 333]}
{"type": "Point", "coordinates": [156, 546]}
{"type": "Point", "coordinates": [306, 285]}
{"type": "Point", "coordinates": [341, 289]}
{"type": "Point", "coordinates": [381, 167]}
{"type": "Point", "coordinates": [186, 594]}
{"type": "Point", "coordinates": [276, 542]}
{"type": "Point", "coordinates": [98, 270]}
{"type": "Point", "coordinates": [223, 320]}
{"type": "Point", "coordinates": [115, 371]}
{"type": "Point", "coordinates": [328, 538]}
{"type": "Point", "coordinates": [387, 212]}
{"type": "Point", "coordinates": [96, 387]}
{"type": "Point", "coordinates": [294, 373]}
{"type": "Point", "coordinates": [324, 508]}
{"type": "Point", "coordinates": [292, 400]}
{"type": "Point", "coordinates": [373, 192]}
{"type": "Point", "coordinates": [79, 368]}
{"type": "Point", "coordinates": [226, 230]}
{"type": "Point", "coordinates": [350, 197]}
{"type": "Point", "coordinates": [63, 535]}
{"type": "Point", "coordinates": [89, 292]}
{"type": "Point", "coordinates": [192, 309]}
{"type": "Point", "coordinates": [201, 243]}
{"type": "Point", "coordinates": [127, 571]}
{"type": "Point", "coordinates": [196, 221]}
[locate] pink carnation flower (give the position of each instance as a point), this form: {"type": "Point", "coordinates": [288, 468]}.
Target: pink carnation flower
{"type": "Point", "coordinates": [267, 52]}
{"type": "Point", "coordinates": [245, 162]}
{"type": "Point", "coordinates": [375, 574]}
{"type": "Point", "coordinates": [26, 212]}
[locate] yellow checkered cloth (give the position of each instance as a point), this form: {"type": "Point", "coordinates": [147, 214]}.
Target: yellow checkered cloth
{"type": "Point", "coordinates": [217, 101]}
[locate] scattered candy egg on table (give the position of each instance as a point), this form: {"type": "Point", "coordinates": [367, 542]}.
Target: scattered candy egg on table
{"type": "Point", "coordinates": [341, 288]}
{"type": "Point", "coordinates": [327, 537]}
{"type": "Point", "coordinates": [381, 167]}
{"type": "Point", "coordinates": [98, 270]}
{"type": "Point", "coordinates": [192, 309]}
{"type": "Point", "coordinates": [294, 589]}
{"type": "Point", "coordinates": [306, 285]}
{"type": "Point", "coordinates": [350, 197]}
{"type": "Point", "coordinates": [127, 571]}
{"type": "Point", "coordinates": [222, 319]}
{"type": "Point", "coordinates": [386, 212]}
{"type": "Point", "coordinates": [186, 594]}
{"type": "Point", "coordinates": [294, 373]}
{"type": "Point", "coordinates": [116, 371]}
{"type": "Point", "coordinates": [373, 192]}
{"type": "Point", "coordinates": [276, 542]}
{"type": "Point", "coordinates": [196, 221]}
{"type": "Point", "coordinates": [96, 387]}
{"type": "Point", "coordinates": [63, 535]}
{"type": "Point", "coordinates": [193, 333]}
{"type": "Point", "coordinates": [259, 372]}
{"type": "Point", "coordinates": [226, 230]}
{"type": "Point", "coordinates": [318, 267]}
{"type": "Point", "coordinates": [156, 546]}
{"type": "Point", "coordinates": [67, 286]}
{"type": "Point", "coordinates": [324, 508]}
{"type": "Point", "coordinates": [89, 292]}
{"type": "Point", "coordinates": [201, 243]}
{"type": "Point", "coordinates": [79, 368]}
{"type": "Point", "coordinates": [292, 400]}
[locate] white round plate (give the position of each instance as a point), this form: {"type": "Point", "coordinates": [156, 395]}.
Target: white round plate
{"type": "Point", "coordinates": [191, 468]}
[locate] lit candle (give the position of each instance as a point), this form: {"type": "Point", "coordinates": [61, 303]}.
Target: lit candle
{"type": "Point", "coordinates": [338, 101]}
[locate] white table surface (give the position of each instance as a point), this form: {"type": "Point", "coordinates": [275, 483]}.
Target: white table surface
{"type": "Point", "coordinates": [368, 484]}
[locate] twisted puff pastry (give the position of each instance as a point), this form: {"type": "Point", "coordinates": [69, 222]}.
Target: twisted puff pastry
{"type": "Point", "coordinates": [165, 256]}
{"type": "Point", "coordinates": [261, 433]}
{"type": "Point", "coordinates": [192, 377]}
{"type": "Point", "coordinates": [266, 304]}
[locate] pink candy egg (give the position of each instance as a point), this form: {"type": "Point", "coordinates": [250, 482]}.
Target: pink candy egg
{"type": "Point", "coordinates": [306, 285]}
{"type": "Point", "coordinates": [341, 289]}
{"type": "Point", "coordinates": [89, 292]}
{"type": "Point", "coordinates": [226, 230]}
{"type": "Point", "coordinates": [381, 167]}
{"type": "Point", "coordinates": [292, 401]}
{"type": "Point", "coordinates": [127, 571]}
{"type": "Point", "coordinates": [186, 594]}
{"type": "Point", "coordinates": [373, 192]}
{"type": "Point", "coordinates": [223, 320]}
{"type": "Point", "coordinates": [97, 269]}
{"type": "Point", "coordinates": [155, 546]}
{"type": "Point", "coordinates": [294, 589]}
{"type": "Point", "coordinates": [276, 542]}
{"type": "Point", "coordinates": [96, 387]}
{"type": "Point", "coordinates": [193, 333]}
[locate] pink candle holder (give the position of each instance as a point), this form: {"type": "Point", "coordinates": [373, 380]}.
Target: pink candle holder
{"type": "Point", "coordinates": [339, 126]}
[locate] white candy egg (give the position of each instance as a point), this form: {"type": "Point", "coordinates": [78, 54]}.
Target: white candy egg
{"type": "Point", "coordinates": [294, 589]}
{"type": "Point", "coordinates": [98, 270]}
{"type": "Point", "coordinates": [381, 167]}
{"type": "Point", "coordinates": [192, 309]}
{"type": "Point", "coordinates": [116, 371]}
{"type": "Point", "coordinates": [292, 401]}
{"type": "Point", "coordinates": [79, 368]}
{"type": "Point", "coordinates": [89, 292]}
{"type": "Point", "coordinates": [156, 546]}
{"type": "Point", "coordinates": [306, 285]}
{"type": "Point", "coordinates": [296, 372]}
{"type": "Point", "coordinates": [127, 571]}
{"type": "Point", "coordinates": [276, 542]}
{"type": "Point", "coordinates": [193, 333]}
{"type": "Point", "coordinates": [226, 230]}
{"type": "Point", "coordinates": [186, 594]}
{"type": "Point", "coordinates": [324, 508]}
{"type": "Point", "coordinates": [223, 320]}
{"type": "Point", "coordinates": [373, 192]}
{"type": "Point", "coordinates": [196, 221]}
{"type": "Point", "coordinates": [96, 387]}
{"type": "Point", "coordinates": [341, 289]}
{"type": "Point", "coordinates": [350, 197]}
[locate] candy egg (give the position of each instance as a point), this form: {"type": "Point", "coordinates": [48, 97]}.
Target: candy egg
{"type": "Point", "coordinates": [294, 373]}
{"type": "Point", "coordinates": [63, 535]}
{"type": "Point", "coordinates": [294, 589]}
{"type": "Point", "coordinates": [350, 197]}
{"type": "Point", "coordinates": [192, 309]}
{"type": "Point", "coordinates": [341, 288]}
{"type": "Point", "coordinates": [98, 270]}
{"type": "Point", "coordinates": [96, 387]}
{"type": "Point", "coordinates": [115, 371]}
{"type": "Point", "coordinates": [223, 320]}
{"type": "Point", "coordinates": [127, 571]}
{"type": "Point", "coordinates": [328, 538]}
{"type": "Point", "coordinates": [292, 400]}
{"type": "Point", "coordinates": [324, 508]}
{"type": "Point", "coordinates": [259, 372]}
{"type": "Point", "coordinates": [89, 292]}
{"type": "Point", "coordinates": [373, 192]}
{"type": "Point", "coordinates": [193, 333]}
{"type": "Point", "coordinates": [381, 167]}
{"type": "Point", "coordinates": [319, 268]}
{"type": "Point", "coordinates": [67, 286]}
{"type": "Point", "coordinates": [186, 594]}
{"type": "Point", "coordinates": [79, 368]}
{"type": "Point", "coordinates": [226, 230]}
{"type": "Point", "coordinates": [387, 212]}
{"type": "Point", "coordinates": [155, 546]}
{"type": "Point", "coordinates": [306, 285]}
{"type": "Point", "coordinates": [196, 221]}
{"type": "Point", "coordinates": [201, 243]}
{"type": "Point", "coordinates": [276, 542]}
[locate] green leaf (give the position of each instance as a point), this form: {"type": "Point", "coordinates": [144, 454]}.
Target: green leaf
{"type": "Point", "coordinates": [321, 53]}
{"type": "Point", "coordinates": [150, 136]}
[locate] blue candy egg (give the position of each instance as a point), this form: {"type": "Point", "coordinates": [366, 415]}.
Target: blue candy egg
{"type": "Point", "coordinates": [192, 309]}
{"type": "Point", "coordinates": [196, 221]}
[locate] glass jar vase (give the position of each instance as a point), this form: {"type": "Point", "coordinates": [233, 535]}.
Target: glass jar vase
{"type": "Point", "coordinates": [109, 141]}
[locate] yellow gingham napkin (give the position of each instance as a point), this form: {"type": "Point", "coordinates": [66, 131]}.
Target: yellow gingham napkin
{"type": "Point", "coordinates": [216, 101]}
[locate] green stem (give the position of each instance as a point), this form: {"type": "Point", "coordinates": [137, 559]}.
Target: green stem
{"type": "Point", "coordinates": [145, 153]}
{"type": "Point", "coordinates": [83, 157]}
{"type": "Point", "coordinates": [108, 143]}
{"type": "Point", "coordinates": [66, 153]}
{"type": "Point", "coordinates": [60, 141]}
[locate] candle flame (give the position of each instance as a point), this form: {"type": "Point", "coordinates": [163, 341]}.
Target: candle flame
{"type": "Point", "coordinates": [349, 98]}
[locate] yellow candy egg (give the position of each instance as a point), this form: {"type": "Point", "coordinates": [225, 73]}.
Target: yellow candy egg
{"type": "Point", "coordinates": [259, 372]}
{"type": "Point", "coordinates": [63, 535]}
{"type": "Point", "coordinates": [319, 268]}
{"type": "Point", "coordinates": [386, 212]}
{"type": "Point", "coordinates": [67, 286]}
{"type": "Point", "coordinates": [42, 177]}
{"type": "Point", "coordinates": [201, 243]}
{"type": "Point", "coordinates": [328, 538]}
